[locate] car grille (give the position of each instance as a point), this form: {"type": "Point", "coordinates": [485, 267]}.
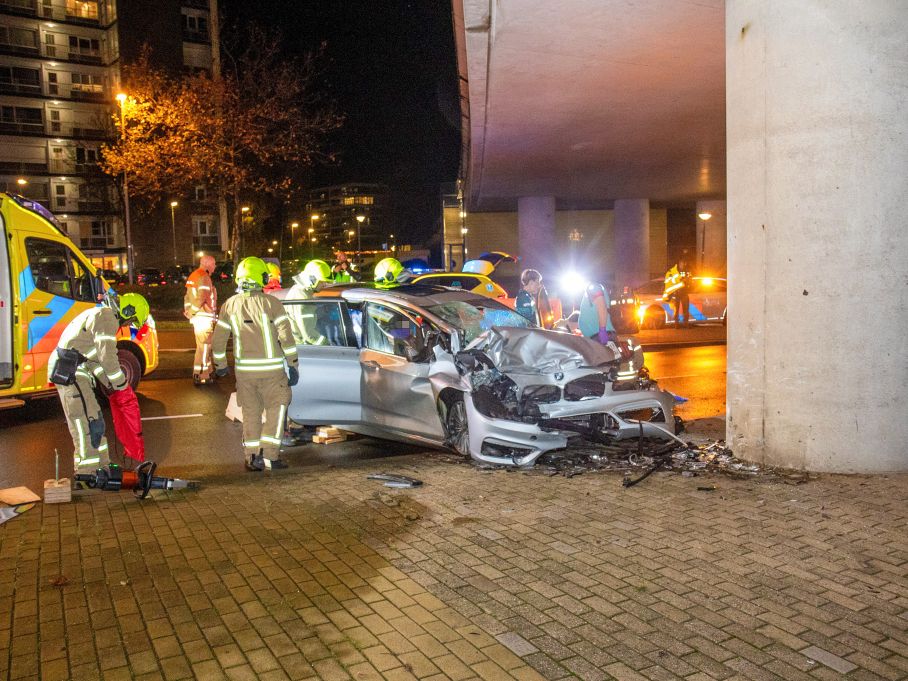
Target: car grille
{"type": "Point", "coordinates": [585, 387]}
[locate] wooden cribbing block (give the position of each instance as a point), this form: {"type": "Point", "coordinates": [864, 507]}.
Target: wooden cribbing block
{"type": "Point", "coordinates": [58, 491]}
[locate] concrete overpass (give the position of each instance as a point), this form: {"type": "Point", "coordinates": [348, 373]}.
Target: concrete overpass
{"type": "Point", "coordinates": [792, 112]}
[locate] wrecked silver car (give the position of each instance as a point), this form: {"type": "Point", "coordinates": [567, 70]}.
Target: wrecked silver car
{"type": "Point", "coordinates": [448, 368]}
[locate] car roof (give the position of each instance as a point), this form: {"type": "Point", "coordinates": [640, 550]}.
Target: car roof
{"type": "Point", "coordinates": [452, 275]}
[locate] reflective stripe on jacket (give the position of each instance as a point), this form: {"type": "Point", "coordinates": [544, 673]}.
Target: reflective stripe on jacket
{"type": "Point", "coordinates": [262, 335]}
{"type": "Point", "coordinates": [94, 334]}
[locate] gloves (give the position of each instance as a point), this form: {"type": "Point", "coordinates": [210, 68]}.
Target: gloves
{"type": "Point", "coordinates": [294, 376]}
{"type": "Point", "coordinates": [223, 371]}
{"type": "Point", "coordinates": [603, 336]}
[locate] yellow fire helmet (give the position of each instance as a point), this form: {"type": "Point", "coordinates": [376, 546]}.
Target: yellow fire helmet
{"type": "Point", "coordinates": [251, 273]}
{"type": "Point", "coordinates": [133, 308]}
{"type": "Point", "coordinates": [387, 271]}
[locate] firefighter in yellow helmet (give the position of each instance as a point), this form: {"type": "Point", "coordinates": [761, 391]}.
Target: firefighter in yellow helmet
{"type": "Point", "coordinates": [388, 273]}
{"type": "Point", "coordinates": [305, 319]}
{"type": "Point", "coordinates": [87, 354]}
{"type": "Point", "coordinates": [263, 345]}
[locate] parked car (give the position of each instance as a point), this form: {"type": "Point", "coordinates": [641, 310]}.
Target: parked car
{"type": "Point", "coordinates": [178, 274]}
{"type": "Point", "coordinates": [151, 276]}
{"type": "Point", "coordinates": [223, 271]}
{"type": "Point", "coordinates": [449, 368]}
{"type": "Point", "coordinates": [707, 302]}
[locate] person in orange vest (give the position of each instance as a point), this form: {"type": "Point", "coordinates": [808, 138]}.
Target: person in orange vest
{"type": "Point", "coordinates": [200, 307]}
{"type": "Point", "coordinates": [274, 278]}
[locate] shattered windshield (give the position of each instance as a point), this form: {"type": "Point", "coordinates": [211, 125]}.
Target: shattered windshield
{"type": "Point", "coordinates": [478, 316]}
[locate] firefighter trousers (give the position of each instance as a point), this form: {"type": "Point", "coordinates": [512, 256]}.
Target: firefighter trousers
{"type": "Point", "coordinates": [203, 326]}
{"type": "Point", "coordinates": [86, 424]}
{"type": "Point", "coordinates": [258, 392]}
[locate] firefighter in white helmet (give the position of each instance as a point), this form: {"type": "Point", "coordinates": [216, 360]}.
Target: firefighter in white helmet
{"type": "Point", "coordinates": [200, 306]}
{"type": "Point", "coordinates": [86, 354]}
{"type": "Point", "coordinates": [262, 345]}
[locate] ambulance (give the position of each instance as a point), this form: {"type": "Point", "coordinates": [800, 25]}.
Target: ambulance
{"type": "Point", "coordinates": [45, 281]}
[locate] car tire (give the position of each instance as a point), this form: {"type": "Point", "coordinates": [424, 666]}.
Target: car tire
{"type": "Point", "coordinates": [655, 318]}
{"type": "Point", "coordinates": [131, 366]}
{"type": "Point", "coordinates": [457, 427]}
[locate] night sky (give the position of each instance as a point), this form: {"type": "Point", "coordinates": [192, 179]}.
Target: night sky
{"type": "Point", "coordinates": [391, 69]}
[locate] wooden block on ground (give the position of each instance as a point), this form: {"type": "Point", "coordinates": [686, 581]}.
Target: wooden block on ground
{"type": "Point", "coordinates": [58, 491]}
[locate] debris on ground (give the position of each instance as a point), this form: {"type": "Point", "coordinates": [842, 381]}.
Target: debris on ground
{"type": "Point", "coordinates": [396, 480]}
{"type": "Point", "coordinates": [637, 458]}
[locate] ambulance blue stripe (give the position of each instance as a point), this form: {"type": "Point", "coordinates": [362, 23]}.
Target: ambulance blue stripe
{"type": "Point", "coordinates": [26, 283]}
{"type": "Point", "coordinates": [39, 326]}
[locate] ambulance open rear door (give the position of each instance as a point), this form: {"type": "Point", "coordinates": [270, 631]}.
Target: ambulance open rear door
{"type": "Point", "coordinates": [6, 310]}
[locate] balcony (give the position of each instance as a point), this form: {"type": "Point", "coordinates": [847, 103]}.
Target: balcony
{"type": "Point", "coordinates": [27, 8]}
{"type": "Point", "coordinates": [88, 133]}
{"type": "Point", "coordinates": [87, 95]}
{"type": "Point", "coordinates": [196, 4]}
{"type": "Point", "coordinates": [96, 243]}
{"type": "Point", "coordinates": [19, 168]}
{"type": "Point", "coordinates": [25, 50]}
{"type": "Point", "coordinates": [195, 36]}
{"type": "Point", "coordinates": [201, 242]}
{"type": "Point", "coordinates": [13, 88]}
{"type": "Point", "coordinates": [17, 128]}
{"type": "Point", "coordinates": [86, 57]}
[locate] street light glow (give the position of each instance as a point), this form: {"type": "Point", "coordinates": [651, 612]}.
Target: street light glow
{"type": "Point", "coordinates": [314, 216]}
{"type": "Point", "coordinates": [351, 233]}
{"type": "Point", "coordinates": [705, 215]}
{"type": "Point", "coordinates": [294, 225]}
{"type": "Point", "coordinates": [174, 204]}
{"type": "Point", "coordinates": [360, 218]}
{"type": "Point", "coordinates": [274, 243]}
{"type": "Point", "coordinates": [121, 97]}
{"type": "Point", "coordinates": [22, 182]}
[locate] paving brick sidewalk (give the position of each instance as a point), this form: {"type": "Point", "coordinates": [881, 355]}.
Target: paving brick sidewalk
{"type": "Point", "coordinates": [485, 575]}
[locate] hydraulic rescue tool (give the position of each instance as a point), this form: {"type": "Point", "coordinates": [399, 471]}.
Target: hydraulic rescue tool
{"type": "Point", "coordinates": [141, 481]}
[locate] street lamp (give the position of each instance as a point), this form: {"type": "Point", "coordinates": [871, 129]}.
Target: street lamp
{"type": "Point", "coordinates": [173, 230]}
{"type": "Point", "coordinates": [704, 216]}
{"type": "Point", "coordinates": [22, 182]}
{"type": "Point", "coordinates": [293, 226]}
{"type": "Point", "coordinates": [311, 240]}
{"type": "Point", "coordinates": [130, 264]}
{"type": "Point", "coordinates": [359, 232]}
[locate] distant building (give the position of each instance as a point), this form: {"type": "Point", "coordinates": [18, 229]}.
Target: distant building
{"type": "Point", "coordinates": [59, 75]}
{"type": "Point", "coordinates": [334, 211]}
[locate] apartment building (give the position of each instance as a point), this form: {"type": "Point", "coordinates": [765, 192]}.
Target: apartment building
{"type": "Point", "coordinates": [351, 216]}
{"type": "Point", "coordinates": [59, 74]}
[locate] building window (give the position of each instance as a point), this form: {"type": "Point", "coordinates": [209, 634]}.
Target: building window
{"type": "Point", "coordinates": [85, 47]}
{"type": "Point", "coordinates": [201, 193]}
{"type": "Point", "coordinates": [85, 156]}
{"type": "Point", "coordinates": [20, 119]}
{"type": "Point", "coordinates": [19, 39]}
{"type": "Point", "coordinates": [195, 27]}
{"type": "Point", "coordinates": [205, 233]}
{"type": "Point", "coordinates": [88, 82]}
{"type": "Point", "coordinates": [15, 79]}
{"type": "Point", "coordinates": [82, 10]}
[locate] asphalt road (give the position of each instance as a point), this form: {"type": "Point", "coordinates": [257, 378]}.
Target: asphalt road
{"type": "Point", "coordinates": [187, 433]}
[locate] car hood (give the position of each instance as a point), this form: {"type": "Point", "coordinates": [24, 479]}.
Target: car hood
{"type": "Point", "coordinates": [540, 351]}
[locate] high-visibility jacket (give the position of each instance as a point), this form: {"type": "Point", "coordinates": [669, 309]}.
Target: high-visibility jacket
{"type": "Point", "coordinates": [675, 280]}
{"type": "Point", "coordinates": [201, 296]}
{"type": "Point", "coordinates": [262, 335]}
{"type": "Point", "coordinates": [94, 334]}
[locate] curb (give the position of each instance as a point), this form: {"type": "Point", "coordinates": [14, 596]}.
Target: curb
{"type": "Point", "coordinates": [676, 345]}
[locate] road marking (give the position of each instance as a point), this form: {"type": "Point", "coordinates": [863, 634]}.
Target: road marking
{"type": "Point", "coordinates": [175, 416]}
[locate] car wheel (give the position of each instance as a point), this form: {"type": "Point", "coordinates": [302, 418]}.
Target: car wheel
{"type": "Point", "coordinates": [131, 366]}
{"type": "Point", "coordinates": [457, 427]}
{"type": "Point", "coordinates": [655, 318]}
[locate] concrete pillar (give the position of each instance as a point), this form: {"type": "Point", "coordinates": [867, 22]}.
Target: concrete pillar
{"type": "Point", "coordinates": [711, 239]}
{"type": "Point", "coordinates": [536, 233]}
{"type": "Point", "coordinates": [631, 242]}
{"type": "Point", "coordinates": [818, 302]}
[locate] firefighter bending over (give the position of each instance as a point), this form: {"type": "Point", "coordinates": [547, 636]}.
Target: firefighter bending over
{"type": "Point", "coordinates": [262, 344]}
{"type": "Point", "coordinates": [86, 354]}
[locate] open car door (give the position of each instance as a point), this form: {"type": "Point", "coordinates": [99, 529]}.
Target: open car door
{"type": "Point", "coordinates": [487, 262]}
{"type": "Point", "coordinates": [326, 340]}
